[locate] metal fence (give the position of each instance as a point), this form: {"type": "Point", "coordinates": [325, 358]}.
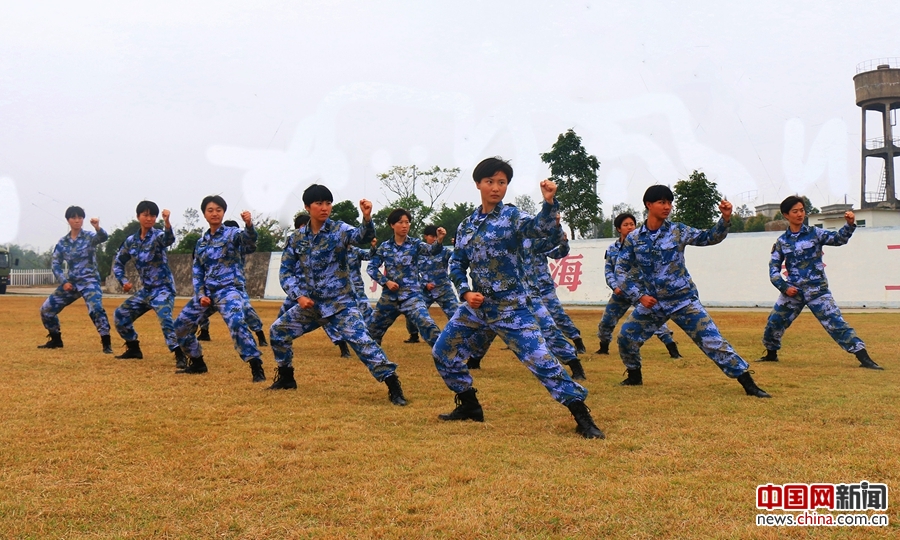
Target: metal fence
{"type": "Point", "coordinates": [27, 278]}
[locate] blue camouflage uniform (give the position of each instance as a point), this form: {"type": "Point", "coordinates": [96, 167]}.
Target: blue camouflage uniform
{"type": "Point", "coordinates": [547, 288]}
{"type": "Point", "coordinates": [251, 317]}
{"type": "Point", "coordinates": [433, 269]}
{"type": "Point", "coordinates": [619, 304]}
{"type": "Point", "coordinates": [80, 255]}
{"type": "Point", "coordinates": [487, 247]}
{"type": "Point", "coordinates": [652, 263]}
{"type": "Point", "coordinates": [401, 265]}
{"type": "Point", "coordinates": [158, 286]}
{"type": "Point", "coordinates": [531, 257]}
{"type": "Point", "coordinates": [801, 253]}
{"type": "Point", "coordinates": [217, 275]}
{"type": "Point", "coordinates": [315, 266]}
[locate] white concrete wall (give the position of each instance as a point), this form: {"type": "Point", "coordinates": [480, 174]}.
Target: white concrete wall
{"type": "Point", "coordinates": [864, 273]}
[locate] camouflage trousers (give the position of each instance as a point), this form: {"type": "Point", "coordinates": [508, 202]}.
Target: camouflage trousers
{"type": "Point", "coordinates": [616, 308]}
{"type": "Point", "coordinates": [787, 308]}
{"type": "Point", "coordinates": [517, 327]}
{"type": "Point", "coordinates": [60, 298]}
{"type": "Point", "coordinates": [445, 298]}
{"type": "Point", "coordinates": [556, 342]}
{"type": "Point", "coordinates": [346, 325]}
{"type": "Point", "coordinates": [560, 317]}
{"type": "Point", "coordinates": [229, 302]}
{"type": "Point", "coordinates": [696, 323]}
{"type": "Point", "coordinates": [387, 311]}
{"type": "Point", "coordinates": [288, 304]}
{"type": "Point", "coordinates": [161, 300]}
{"type": "Point", "coordinates": [251, 317]}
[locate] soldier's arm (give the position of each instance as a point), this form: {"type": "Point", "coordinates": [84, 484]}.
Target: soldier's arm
{"type": "Point", "coordinates": [561, 250]}
{"type": "Point", "coordinates": [609, 271]}
{"type": "Point", "coordinates": [247, 239]}
{"type": "Point", "coordinates": [168, 237]}
{"type": "Point", "coordinates": [359, 235]}
{"type": "Point", "coordinates": [122, 257]}
{"type": "Point", "coordinates": [775, 262]}
{"type": "Point", "coordinates": [98, 237]}
{"type": "Point", "coordinates": [459, 264]}
{"type": "Point", "coordinates": [835, 238]}
{"type": "Point", "coordinates": [628, 273]}
{"type": "Point", "coordinates": [373, 269]}
{"type": "Point", "coordinates": [700, 237]}
{"type": "Point", "coordinates": [291, 282]}
{"type": "Point", "coordinates": [57, 265]}
{"type": "Point", "coordinates": [198, 275]}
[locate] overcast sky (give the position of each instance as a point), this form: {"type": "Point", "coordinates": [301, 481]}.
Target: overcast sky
{"type": "Point", "coordinates": [103, 104]}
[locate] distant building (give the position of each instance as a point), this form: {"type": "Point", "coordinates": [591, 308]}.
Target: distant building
{"type": "Point", "coordinates": [832, 217]}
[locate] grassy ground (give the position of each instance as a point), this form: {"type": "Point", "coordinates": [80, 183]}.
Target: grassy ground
{"type": "Point", "coordinates": [94, 447]}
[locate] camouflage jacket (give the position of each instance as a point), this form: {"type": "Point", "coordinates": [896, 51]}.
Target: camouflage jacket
{"type": "Point", "coordinates": [219, 259]}
{"type": "Point", "coordinates": [652, 262]}
{"type": "Point", "coordinates": [80, 255]}
{"type": "Point", "coordinates": [801, 254]}
{"type": "Point", "coordinates": [149, 256]}
{"type": "Point", "coordinates": [401, 265]}
{"type": "Point", "coordinates": [316, 265]}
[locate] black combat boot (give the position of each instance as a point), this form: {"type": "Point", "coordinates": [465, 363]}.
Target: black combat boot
{"type": "Point", "coordinates": [256, 370]}
{"type": "Point", "coordinates": [203, 335]}
{"type": "Point", "coordinates": [586, 426]}
{"type": "Point", "coordinates": [474, 362]}
{"type": "Point", "coordinates": [132, 350]}
{"type": "Point", "coordinates": [604, 348]}
{"type": "Point", "coordinates": [467, 407]}
{"type": "Point", "coordinates": [107, 344]}
{"type": "Point", "coordinates": [180, 358]}
{"type": "Point", "coordinates": [195, 365]}
{"type": "Point", "coordinates": [771, 356]}
{"type": "Point", "coordinates": [345, 350]}
{"type": "Point", "coordinates": [395, 391]}
{"type": "Point", "coordinates": [55, 341]}
{"type": "Point", "coordinates": [579, 346]}
{"type": "Point", "coordinates": [673, 350]}
{"type": "Point", "coordinates": [634, 378]}
{"type": "Point", "coordinates": [865, 361]}
{"type": "Point", "coordinates": [413, 338]}
{"type": "Point", "coordinates": [750, 387]}
{"type": "Point", "coordinates": [261, 337]}
{"type": "Point", "coordinates": [577, 370]}
{"type": "Point", "coordinates": [284, 379]}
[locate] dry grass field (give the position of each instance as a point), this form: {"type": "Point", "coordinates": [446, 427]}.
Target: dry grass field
{"type": "Point", "coordinates": [93, 447]}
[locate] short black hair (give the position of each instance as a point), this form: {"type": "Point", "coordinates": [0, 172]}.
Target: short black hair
{"type": "Point", "coordinates": [791, 202]}
{"type": "Point", "coordinates": [74, 211]}
{"type": "Point", "coordinates": [491, 166]}
{"type": "Point", "coordinates": [398, 213]}
{"type": "Point", "coordinates": [147, 206]}
{"type": "Point", "coordinates": [317, 193]}
{"type": "Point", "coordinates": [658, 193]}
{"type": "Point", "coordinates": [620, 219]}
{"type": "Point", "coordinates": [217, 199]}
{"type": "Point", "coordinates": [231, 223]}
{"type": "Point", "coordinates": [430, 230]}
{"type": "Point", "coordinates": [300, 220]}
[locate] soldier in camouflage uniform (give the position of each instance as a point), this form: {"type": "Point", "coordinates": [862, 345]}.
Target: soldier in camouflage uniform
{"type": "Point", "coordinates": [147, 249]}
{"type": "Point", "coordinates": [618, 304]}
{"type": "Point", "coordinates": [78, 250]}
{"type": "Point", "coordinates": [487, 243]}
{"type": "Point", "coordinates": [532, 259]}
{"type": "Point", "coordinates": [401, 289]}
{"type": "Point", "coordinates": [217, 279]}
{"type": "Point", "coordinates": [800, 250]}
{"type": "Point", "coordinates": [651, 273]}
{"type": "Point", "coordinates": [435, 279]}
{"type": "Point", "coordinates": [314, 274]}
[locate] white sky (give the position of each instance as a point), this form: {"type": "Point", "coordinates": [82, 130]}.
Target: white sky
{"type": "Point", "coordinates": [103, 104]}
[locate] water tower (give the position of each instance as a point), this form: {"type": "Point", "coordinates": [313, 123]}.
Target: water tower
{"type": "Point", "coordinates": [878, 89]}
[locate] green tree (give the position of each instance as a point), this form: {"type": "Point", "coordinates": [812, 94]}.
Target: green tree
{"type": "Point", "coordinates": [28, 258]}
{"type": "Point", "coordinates": [756, 223]}
{"type": "Point", "coordinates": [270, 234]}
{"type": "Point", "coordinates": [526, 204]}
{"type": "Point", "coordinates": [575, 173]}
{"type": "Point", "coordinates": [417, 191]}
{"type": "Point", "coordinates": [411, 204]}
{"type": "Point", "coordinates": [187, 243]}
{"type": "Point", "coordinates": [696, 201]}
{"type": "Point", "coordinates": [347, 212]}
{"type": "Point", "coordinates": [449, 217]}
{"type": "Point", "coordinates": [190, 231]}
